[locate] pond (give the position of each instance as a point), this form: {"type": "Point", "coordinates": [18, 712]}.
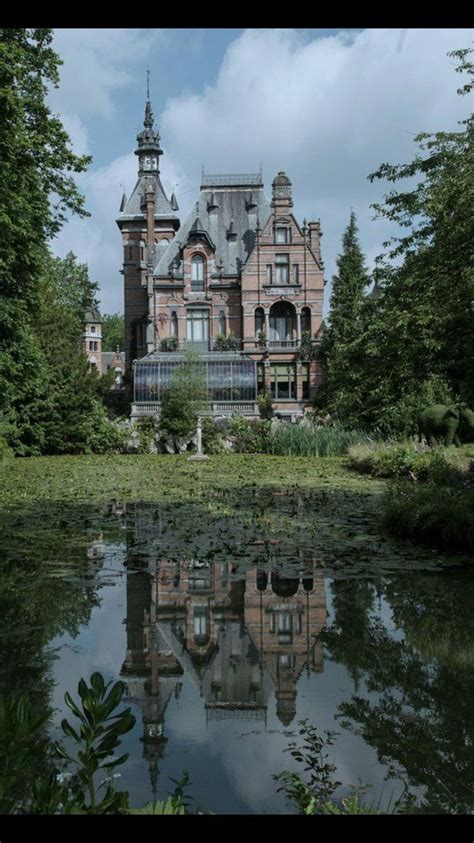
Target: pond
{"type": "Point", "coordinates": [233, 618]}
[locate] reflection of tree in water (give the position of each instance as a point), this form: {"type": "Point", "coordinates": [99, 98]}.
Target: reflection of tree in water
{"type": "Point", "coordinates": [47, 588]}
{"type": "Point", "coordinates": [418, 712]}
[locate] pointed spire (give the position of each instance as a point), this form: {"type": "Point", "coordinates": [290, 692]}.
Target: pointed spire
{"type": "Point", "coordinates": [174, 203]}
{"type": "Point", "coordinates": [123, 203]}
{"type": "Point", "coordinates": [148, 121]}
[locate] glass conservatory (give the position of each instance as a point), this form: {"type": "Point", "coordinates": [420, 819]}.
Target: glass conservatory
{"type": "Point", "coordinates": [231, 382]}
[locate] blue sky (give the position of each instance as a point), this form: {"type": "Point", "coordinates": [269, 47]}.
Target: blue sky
{"type": "Point", "coordinates": [326, 106]}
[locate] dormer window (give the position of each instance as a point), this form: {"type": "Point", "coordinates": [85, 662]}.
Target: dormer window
{"type": "Point", "coordinates": [197, 274]}
{"type": "Point", "coordinates": [282, 234]}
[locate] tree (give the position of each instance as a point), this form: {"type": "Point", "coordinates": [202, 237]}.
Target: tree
{"type": "Point", "coordinates": [182, 400]}
{"type": "Point", "coordinates": [344, 322]}
{"type": "Point", "coordinates": [412, 341]}
{"type": "Point", "coordinates": [432, 293]}
{"type": "Point", "coordinates": [112, 332]}
{"type": "Point", "coordinates": [36, 192]}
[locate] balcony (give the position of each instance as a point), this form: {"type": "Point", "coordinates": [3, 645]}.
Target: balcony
{"type": "Point", "coordinates": [283, 345]}
{"type": "Point", "coordinates": [212, 408]}
{"type": "Point", "coordinates": [226, 344]}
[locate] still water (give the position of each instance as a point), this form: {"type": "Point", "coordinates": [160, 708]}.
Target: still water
{"type": "Point", "coordinates": [229, 628]}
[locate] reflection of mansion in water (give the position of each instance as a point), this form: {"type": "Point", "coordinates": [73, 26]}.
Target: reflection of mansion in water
{"type": "Point", "coordinates": [238, 637]}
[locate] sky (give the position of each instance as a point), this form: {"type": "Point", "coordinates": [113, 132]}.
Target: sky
{"type": "Point", "coordinates": [326, 106]}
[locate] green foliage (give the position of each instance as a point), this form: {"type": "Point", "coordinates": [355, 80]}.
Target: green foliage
{"type": "Point", "coordinates": [307, 440]}
{"type": "Point", "coordinates": [113, 331]}
{"type": "Point", "coordinates": [48, 399]}
{"type": "Point", "coordinates": [36, 163]}
{"type": "Point", "coordinates": [182, 400]}
{"type": "Point", "coordinates": [265, 406]}
{"type": "Point", "coordinates": [226, 343]}
{"type": "Point", "coordinates": [262, 339]}
{"type": "Point", "coordinates": [169, 344]}
{"type": "Point", "coordinates": [310, 796]}
{"type": "Point", "coordinates": [308, 350]}
{"type": "Point", "coordinates": [21, 740]}
{"type": "Point", "coordinates": [344, 321]}
{"type": "Point", "coordinates": [168, 806]}
{"type": "Point", "coordinates": [403, 460]}
{"type": "Point", "coordinates": [412, 339]}
{"type": "Point", "coordinates": [98, 737]}
{"type": "Point", "coordinates": [252, 436]}
{"type": "Point", "coordinates": [211, 439]}
{"type": "Point", "coordinates": [439, 515]}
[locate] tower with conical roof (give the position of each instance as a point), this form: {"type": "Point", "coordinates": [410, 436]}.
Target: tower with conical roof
{"type": "Point", "coordinates": [148, 222]}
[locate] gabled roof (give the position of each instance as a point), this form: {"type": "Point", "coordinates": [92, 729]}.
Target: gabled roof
{"type": "Point", "coordinates": [216, 208]}
{"type": "Point", "coordinates": [135, 206]}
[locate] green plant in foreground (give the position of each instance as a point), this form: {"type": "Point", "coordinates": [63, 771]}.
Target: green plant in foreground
{"type": "Point", "coordinates": [98, 737]}
{"type": "Point", "coordinates": [311, 796]}
{"type": "Point", "coordinates": [315, 796]}
{"type": "Point", "coordinates": [21, 742]}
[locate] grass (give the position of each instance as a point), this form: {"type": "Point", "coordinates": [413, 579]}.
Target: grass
{"type": "Point", "coordinates": [410, 460]}
{"type": "Point", "coordinates": [153, 477]}
{"type": "Point", "coordinates": [442, 516]}
{"type": "Point", "coordinates": [306, 440]}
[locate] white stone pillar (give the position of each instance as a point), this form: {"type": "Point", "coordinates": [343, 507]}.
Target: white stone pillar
{"type": "Point", "coordinates": [267, 324]}
{"type": "Point", "coordinates": [298, 326]}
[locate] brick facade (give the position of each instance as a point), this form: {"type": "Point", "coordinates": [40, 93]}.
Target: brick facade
{"type": "Point", "coordinates": [239, 269]}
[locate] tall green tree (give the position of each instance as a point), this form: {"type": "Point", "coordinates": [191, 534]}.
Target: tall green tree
{"type": "Point", "coordinates": [37, 190]}
{"type": "Point", "coordinates": [433, 290]}
{"type": "Point", "coordinates": [344, 322]}
{"type": "Point", "coordinates": [112, 332]}
{"type": "Point", "coordinates": [413, 337]}
{"type": "Point", "coordinates": [73, 418]}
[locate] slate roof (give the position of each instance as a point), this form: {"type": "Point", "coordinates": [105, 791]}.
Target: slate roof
{"type": "Point", "coordinates": [92, 316]}
{"type": "Point", "coordinates": [135, 206]}
{"type": "Point", "coordinates": [228, 215]}
{"type": "Point", "coordinates": [110, 358]}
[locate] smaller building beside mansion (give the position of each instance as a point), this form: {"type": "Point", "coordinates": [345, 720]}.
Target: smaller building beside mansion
{"type": "Point", "coordinates": [101, 361]}
{"type": "Point", "coordinates": [240, 281]}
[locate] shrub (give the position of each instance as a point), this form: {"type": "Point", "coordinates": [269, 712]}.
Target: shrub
{"type": "Point", "coordinates": [265, 406]}
{"type": "Point", "coordinates": [211, 439]}
{"type": "Point", "coordinates": [438, 515]}
{"type": "Point", "coordinates": [182, 400]}
{"type": "Point", "coordinates": [308, 350]}
{"type": "Point", "coordinates": [252, 436]}
{"type": "Point", "coordinates": [402, 460]}
{"type": "Point", "coordinates": [228, 343]}
{"type": "Point", "coordinates": [169, 344]}
{"type": "Point", "coordinates": [305, 440]}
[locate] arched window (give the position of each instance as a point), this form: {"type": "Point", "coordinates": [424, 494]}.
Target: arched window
{"type": "Point", "coordinates": [197, 274]}
{"type": "Point", "coordinates": [306, 319]}
{"type": "Point", "coordinates": [174, 324]}
{"type": "Point", "coordinates": [222, 324]}
{"type": "Point", "coordinates": [259, 320]}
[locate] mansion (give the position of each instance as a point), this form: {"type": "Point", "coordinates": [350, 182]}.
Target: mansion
{"type": "Point", "coordinates": [240, 281]}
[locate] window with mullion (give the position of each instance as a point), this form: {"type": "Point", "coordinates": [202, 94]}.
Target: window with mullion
{"type": "Point", "coordinates": [282, 269]}
{"type": "Point", "coordinates": [283, 383]}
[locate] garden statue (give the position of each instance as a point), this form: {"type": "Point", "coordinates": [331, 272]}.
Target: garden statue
{"type": "Point", "coordinates": [446, 422]}
{"type": "Point", "coordinates": [199, 455]}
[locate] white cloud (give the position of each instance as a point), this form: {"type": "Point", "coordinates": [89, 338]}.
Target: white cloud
{"type": "Point", "coordinates": [327, 111]}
